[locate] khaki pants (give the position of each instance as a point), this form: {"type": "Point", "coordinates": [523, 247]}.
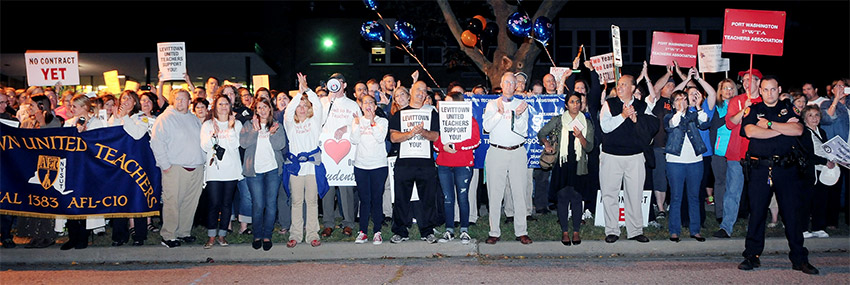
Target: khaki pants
{"type": "Point", "coordinates": [181, 190]}
{"type": "Point", "coordinates": [504, 167]}
{"type": "Point", "coordinates": [304, 188]}
{"type": "Point", "coordinates": [613, 170]}
{"type": "Point", "coordinates": [529, 190]}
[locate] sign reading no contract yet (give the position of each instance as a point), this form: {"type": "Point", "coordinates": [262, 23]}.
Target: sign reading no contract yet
{"type": "Point", "coordinates": [46, 68]}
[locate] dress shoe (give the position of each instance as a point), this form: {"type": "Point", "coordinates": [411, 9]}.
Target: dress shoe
{"type": "Point", "coordinates": [327, 232]}
{"type": "Point", "coordinates": [524, 239]}
{"type": "Point", "coordinates": [267, 245]}
{"type": "Point", "coordinates": [118, 243]}
{"type": "Point", "coordinates": [347, 231]}
{"type": "Point", "coordinates": [576, 238]}
{"type": "Point", "coordinates": [565, 239]}
{"type": "Point", "coordinates": [138, 243]}
{"type": "Point", "coordinates": [66, 246]}
{"type": "Point", "coordinates": [721, 233]}
{"type": "Point", "coordinates": [257, 244]}
{"type": "Point", "coordinates": [611, 238]}
{"type": "Point", "coordinates": [188, 239]}
{"type": "Point", "coordinates": [492, 240]}
{"type": "Point", "coordinates": [698, 238]}
{"type": "Point", "coordinates": [806, 268]}
{"type": "Point", "coordinates": [640, 238]}
{"type": "Point", "coordinates": [749, 263]}
{"type": "Point", "coordinates": [675, 239]}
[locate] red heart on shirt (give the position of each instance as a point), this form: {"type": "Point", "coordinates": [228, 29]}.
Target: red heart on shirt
{"type": "Point", "coordinates": [337, 150]}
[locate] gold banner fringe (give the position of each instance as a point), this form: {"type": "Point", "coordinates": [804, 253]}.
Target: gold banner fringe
{"type": "Point", "coordinates": [79, 217]}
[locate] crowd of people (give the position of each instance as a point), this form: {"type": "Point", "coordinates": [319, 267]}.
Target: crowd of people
{"type": "Point", "coordinates": [256, 158]}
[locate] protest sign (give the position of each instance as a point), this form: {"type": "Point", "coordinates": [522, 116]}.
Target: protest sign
{"type": "Point", "coordinates": [59, 173]}
{"type": "Point", "coordinates": [172, 60]}
{"type": "Point", "coordinates": [604, 66]}
{"type": "Point", "coordinates": [338, 158]}
{"type": "Point", "coordinates": [558, 72]}
{"type": "Point", "coordinates": [599, 220]}
{"type": "Point", "coordinates": [617, 47]}
{"type": "Point", "coordinates": [541, 109]}
{"type": "Point", "coordinates": [455, 121]}
{"type": "Point", "coordinates": [669, 47]}
{"type": "Point", "coordinates": [113, 85]}
{"type": "Point", "coordinates": [754, 32]}
{"type": "Point", "coordinates": [837, 150]}
{"type": "Point", "coordinates": [46, 68]}
{"type": "Point", "coordinates": [260, 81]}
{"type": "Point", "coordinates": [391, 180]}
{"type": "Point", "coordinates": [131, 85]}
{"type": "Point", "coordinates": [710, 60]}
{"type": "Point", "coordinates": [417, 146]}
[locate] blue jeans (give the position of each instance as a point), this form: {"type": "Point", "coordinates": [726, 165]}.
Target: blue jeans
{"type": "Point", "coordinates": [242, 201]}
{"type": "Point", "coordinates": [264, 207]}
{"type": "Point", "coordinates": [732, 197]}
{"type": "Point", "coordinates": [370, 187]}
{"type": "Point", "coordinates": [455, 180]}
{"type": "Point", "coordinates": [680, 177]}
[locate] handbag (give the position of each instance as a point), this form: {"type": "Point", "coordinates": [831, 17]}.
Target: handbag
{"type": "Point", "coordinates": [547, 159]}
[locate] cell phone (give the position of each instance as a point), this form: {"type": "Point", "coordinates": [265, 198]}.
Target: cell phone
{"type": "Point", "coordinates": [846, 90]}
{"type": "Point", "coordinates": [145, 88]}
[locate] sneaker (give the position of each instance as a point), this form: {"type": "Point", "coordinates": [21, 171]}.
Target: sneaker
{"type": "Point", "coordinates": [808, 235]}
{"type": "Point", "coordinates": [431, 238]}
{"type": "Point", "coordinates": [171, 243]}
{"type": "Point", "coordinates": [100, 231]}
{"type": "Point", "coordinates": [464, 238]}
{"type": "Point", "coordinates": [377, 239]}
{"type": "Point", "coordinates": [820, 234]}
{"type": "Point", "coordinates": [721, 233]}
{"type": "Point", "coordinates": [398, 239]}
{"type": "Point", "coordinates": [661, 215]}
{"type": "Point", "coordinates": [361, 238]}
{"type": "Point", "coordinates": [771, 225]}
{"type": "Point", "coordinates": [654, 224]}
{"type": "Point", "coordinates": [447, 237]}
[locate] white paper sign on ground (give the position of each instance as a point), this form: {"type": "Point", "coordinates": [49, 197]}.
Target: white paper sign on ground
{"type": "Point", "coordinates": [604, 66]}
{"type": "Point", "coordinates": [710, 60]}
{"type": "Point", "coordinates": [338, 158]}
{"type": "Point", "coordinates": [417, 146]}
{"type": "Point", "coordinates": [455, 121]}
{"type": "Point", "coordinates": [260, 81]}
{"type": "Point", "coordinates": [599, 216]}
{"type": "Point", "coordinates": [172, 60]}
{"type": "Point", "coordinates": [45, 68]}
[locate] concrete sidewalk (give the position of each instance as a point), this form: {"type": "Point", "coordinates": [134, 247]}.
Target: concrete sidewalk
{"type": "Point", "coordinates": [408, 249]}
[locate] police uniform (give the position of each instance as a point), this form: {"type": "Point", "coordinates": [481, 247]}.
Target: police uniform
{"type": "Point", "coordinates": [773, 168]}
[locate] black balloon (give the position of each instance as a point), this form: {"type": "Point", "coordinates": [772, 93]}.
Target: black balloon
{"type": "Point", "coordinates": [491, 32]}
{"type": "Point", "coordinates": [475, 26]}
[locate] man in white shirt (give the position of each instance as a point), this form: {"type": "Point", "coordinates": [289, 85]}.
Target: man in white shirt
{"type": "Point", "coordinates": [339, 111]}
{"type": "Point", "coordinates": [812, 94]}
{"type": "Point", "coordinates": [506, 120]}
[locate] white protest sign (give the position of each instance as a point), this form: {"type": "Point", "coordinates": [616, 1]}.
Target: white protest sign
{"type": "Point", "coordinates": [417, 146]}
{"type": "Point", "coordinates": [618, 50]}
{"type": "Point", "coordinates": [558, 72]}
{"type": "Point", "coordinates": [45, 68]}
{"type": "Point", "coordinates": [338, 158]}
{"type": "Point", "coordinates": [604, 66]}
{"type": "Point", "coordinates": [172, 60]}
{"type": "Point", "coordinates": [837, 150]}
{"type": "Point", "coordinates": [455, 121]}
{"type": "Point", "coordinates": [710, 60]}
{"type": "Point", "coordinates": [391, 178]}
{"type": "Point", "coordinates": [599, 220]}
{"type": "Point", "coordinates": [260, 81]}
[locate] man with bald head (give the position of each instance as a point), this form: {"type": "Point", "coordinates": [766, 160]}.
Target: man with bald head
{"type": "Point", "coordinates": [411, 170]}
{"type": "Point", "coordinates": [506, 120]}
{"type": "Point", "coordinates": [627, 126]}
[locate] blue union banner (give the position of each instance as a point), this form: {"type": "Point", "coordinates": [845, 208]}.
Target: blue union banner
{"type": "Point", "coordinates": [60, 172]}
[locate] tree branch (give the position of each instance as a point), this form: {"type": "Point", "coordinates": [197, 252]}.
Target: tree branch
{"type": "Point", "coordinates": [454, 26]}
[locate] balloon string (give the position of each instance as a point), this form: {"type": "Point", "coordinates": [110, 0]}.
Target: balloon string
{"type": "Point", "coordinates": [407, 50]}
{"type": "Point", "coordinates": [550, 56]}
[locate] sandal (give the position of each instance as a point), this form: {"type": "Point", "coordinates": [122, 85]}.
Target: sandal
{"type": "Point", "coordinates": [315, 243]}
{"type": "Point", "coordinates": [152, 228]}
{"type": "Point", "coordinates": [291, 243]}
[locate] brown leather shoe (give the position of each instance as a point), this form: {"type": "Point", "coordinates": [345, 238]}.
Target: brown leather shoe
{"type": "Point", "coordinates": [524, 239]}
{"type": "Point", "coordinates": [492, 240]}
{"type": "Point", "coordinates": [327, 232]}
{"type": "Point", "coordinates": [347, 231]}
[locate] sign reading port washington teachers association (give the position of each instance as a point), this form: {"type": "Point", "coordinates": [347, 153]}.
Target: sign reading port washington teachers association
{"type": "Point", "coordinates": [172, 60]}
{"type": "Point", "coordinates": [754, 32]}
{"type": "Point", "coordinates": [62, 173]}
{"type": "Point", "coordinates": [669, 47]}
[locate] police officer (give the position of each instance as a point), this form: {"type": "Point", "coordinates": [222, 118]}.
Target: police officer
{"type": "Point", "coordinates": [772, 127]}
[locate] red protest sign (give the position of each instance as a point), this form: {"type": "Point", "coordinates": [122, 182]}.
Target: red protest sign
{"type": "Point", "coordinates": [667, 47]}
{"type": "Point", "coordinates": [754, 32]}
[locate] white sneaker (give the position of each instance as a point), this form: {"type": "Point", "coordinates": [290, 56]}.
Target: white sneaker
{"type": "Point", "coordinates": [820, 234]}
{"type": "Point", "coordinates": [361, 238]}
{"type": "Point", "coordinates": [464, 238]}
{"type": "Point", "coordinates": [447, 237]}
{"type": "Point", "coordinates": [808, 234]}
{"type": "Point", "coordinates": [377, 239]}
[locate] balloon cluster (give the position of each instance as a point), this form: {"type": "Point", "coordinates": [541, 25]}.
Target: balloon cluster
{"type": "Point", "coordinates": [478, 31]}
{"type": "Point", "coordinates": [520, 25]}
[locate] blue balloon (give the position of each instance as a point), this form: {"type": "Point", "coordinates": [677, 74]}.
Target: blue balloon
{"type": "Point", "coordinates": [405, 32]}
{"type": "Point", "coordinates": [543, 30]}
{"type": "Point", "coordinates": [519, 25]}
{"type": "Point", "coordinates": [371, 4]}
{"type": "Point", "coordinates": [372, 31]}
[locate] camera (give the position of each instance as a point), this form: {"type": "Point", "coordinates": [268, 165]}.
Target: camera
{"type": "Point", "coordinates": [219, 151]}
{"type": "Point", "coordinates": [81, 121]}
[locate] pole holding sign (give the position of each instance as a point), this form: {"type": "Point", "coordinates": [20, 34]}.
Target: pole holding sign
{"type": "Point", "coordinates": [669, 47]}
{"type": "Point", "coordinates": [617, 47]}
{"type": "Point", "coordinates": [46, 68]}
{"type": "Point", "coordinates": [172, 60]}
{"type": "Point", "coordinates": [754, 32]}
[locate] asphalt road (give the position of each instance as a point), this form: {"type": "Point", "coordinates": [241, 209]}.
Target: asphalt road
{"type": "Point", "coordinates": [776, 269]}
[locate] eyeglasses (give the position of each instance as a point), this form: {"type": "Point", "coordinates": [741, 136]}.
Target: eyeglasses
{"type": "Point", "coordinates": [728, 88]}
{"type": "Point", "coordinates": [4, 102]}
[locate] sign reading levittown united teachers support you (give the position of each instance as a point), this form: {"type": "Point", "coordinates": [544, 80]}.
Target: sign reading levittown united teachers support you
{"type": "Point", "coordinates": [669, 47]}
{"type": "Point", "coordinates": [754, 32]}
{"type": "Point", "coordinates": [172, 60]}
{"type": "Point", "coordinates": [46, 68]}
{"type": "Point", "coordinates": [417, 146]}
{"type": "Point", "coordinates": [60, 172]}
{"type": "Point", "coordinates": [455, 121]}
